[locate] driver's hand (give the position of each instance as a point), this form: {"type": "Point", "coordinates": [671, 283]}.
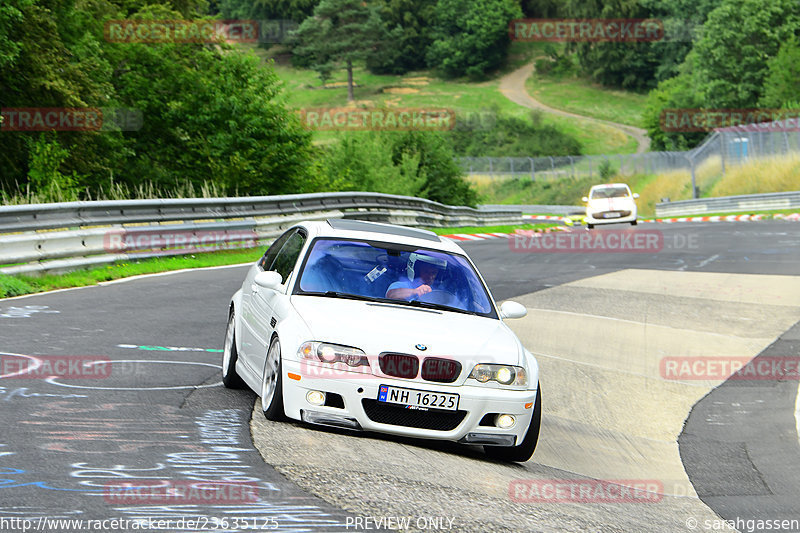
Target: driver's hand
{"type": "Point", "coordinates": [422, 289]}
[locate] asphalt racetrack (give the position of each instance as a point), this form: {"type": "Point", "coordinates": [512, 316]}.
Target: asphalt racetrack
{"type": "Point", "coordinates": [709, 452]}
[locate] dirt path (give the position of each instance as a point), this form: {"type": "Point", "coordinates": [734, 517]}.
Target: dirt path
{"type": "Point", "coordinates": [512, 86]}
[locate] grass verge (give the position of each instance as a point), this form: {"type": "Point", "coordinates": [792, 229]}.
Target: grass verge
{"type": "Point", "coordinates": [582, 97]}
{"type": "Point", "coordinates": [18, 285]}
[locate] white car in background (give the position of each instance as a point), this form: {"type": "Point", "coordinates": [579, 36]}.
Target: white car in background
{"type": "Point", "coordinates": [382, 328]}
{"type": "Point", "coordinates": [611, 203]}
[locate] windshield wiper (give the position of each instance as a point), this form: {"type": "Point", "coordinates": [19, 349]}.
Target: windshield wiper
{"type": "Point", "coordinates": [440, 307]}
{"type": "Point", "coordinates": [338, 294]}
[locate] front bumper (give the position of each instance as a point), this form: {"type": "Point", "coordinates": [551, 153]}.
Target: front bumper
{"type": "Point", "coordinates": [596, 218]}
{"type": "Point", "coordinates": [360, 392]}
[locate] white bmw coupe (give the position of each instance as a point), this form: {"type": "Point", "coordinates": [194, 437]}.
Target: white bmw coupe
{"type": "Point", "coordinates": [382, 328]}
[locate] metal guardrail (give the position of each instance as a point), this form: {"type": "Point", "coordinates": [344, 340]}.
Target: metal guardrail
{"type": "Point", "coordinates": [730, 204]}
{"type": "Point", "coordinates": [540, 209]}
{"type": "Point", "coordinates": [67, 236]}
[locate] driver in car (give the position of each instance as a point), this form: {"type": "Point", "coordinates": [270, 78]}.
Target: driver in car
{"type": "Point", "coordinates": [422, 271]}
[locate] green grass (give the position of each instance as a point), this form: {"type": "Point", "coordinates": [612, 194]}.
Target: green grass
{"type": "Point", "coordinates": [26, 284]}
{"type": "Point", "coordinates": [424, 89]}
{"type": "Point", "coordinates": [583, 97]}
{"type": "Point", "coordinates": [489, 229]}
{"type": "Point", "coordinates": [770, 212]}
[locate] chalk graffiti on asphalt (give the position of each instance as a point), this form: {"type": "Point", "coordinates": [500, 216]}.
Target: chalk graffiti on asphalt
{"type": "Point", "coordinates": [25, 312]}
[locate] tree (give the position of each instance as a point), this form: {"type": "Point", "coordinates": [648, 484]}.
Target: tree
{"type": "Point", "coordinates": [470, 37]}
{"type": "Point", "coordinates": [340, 32]}
{"type": "Point", "coordinates": [782, 83]}
{"type": "Point", "coordinates": [442, 179]}
{"type": "Point", "coordinates": [296, 10]}
{"type": "Point", "coordinates": [407, 43]}
{"type": "Point", "coordinates": [10, 17]}
{"type": "Point", "coordinates": [738, 40]}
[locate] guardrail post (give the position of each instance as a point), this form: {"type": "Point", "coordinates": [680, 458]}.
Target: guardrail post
{"type": "Point", "coordinates": [694, 187]}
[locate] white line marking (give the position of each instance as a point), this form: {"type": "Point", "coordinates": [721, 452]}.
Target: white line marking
{"type": "Point", "coordinates": [123, 280]}
{"type": "Point", "coordinates": [37, 362]}
{"type": "Point", "coordinates": [52, 379]}
{"type": "Point", "coordinates": [467, 236]}
{"type": "Point", "coordinates": [797, 412]}
{"type": "Point", "coordinates": [707, 261]}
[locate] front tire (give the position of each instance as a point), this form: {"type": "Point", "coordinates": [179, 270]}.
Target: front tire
{"type": "Point", "coordinates": [524, 450]}
{"type": "Point", "coordinates": [272, 384]}
{"type": "Point", "coordinates": [589, 226]}
{"type": "Point", "coordinates": [634, 222]}
{"type": "Point", "coordinates": [229, 357]}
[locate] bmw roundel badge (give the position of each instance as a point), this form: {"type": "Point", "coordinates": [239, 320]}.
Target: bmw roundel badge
{"type": "Point", "coordinates": [420, 347]}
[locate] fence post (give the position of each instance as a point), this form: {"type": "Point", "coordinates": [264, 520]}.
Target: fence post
{"type": "Point", "coordinates": [511, 160]}
{"type": "Point", "coordinates": [721, 152]}
{"type": "Point", "coordinates": [621, 164]}
{"type": "Point", "coordinates": [572, 165]}
{"type": "Point", "coordinates": [533, 169]}
{"type": "Point", "coordinates": [491, 172]}
{"type": "Point", "coordinates": [694, 187]}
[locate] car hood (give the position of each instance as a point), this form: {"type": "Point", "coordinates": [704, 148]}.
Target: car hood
{"type": "Point", "coordinates": [611, 204]}
{"type": "Point", "coordinates": [378, 327]}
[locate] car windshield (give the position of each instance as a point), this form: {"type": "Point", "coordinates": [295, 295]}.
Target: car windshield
{"type": "Point", "coordinates": [609, 192]}
{"type": "Point", "coordinates": [393, 273]}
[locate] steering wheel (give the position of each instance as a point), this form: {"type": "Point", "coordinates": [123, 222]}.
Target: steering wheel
{"type": "Point", "coordinates": [440, 297]}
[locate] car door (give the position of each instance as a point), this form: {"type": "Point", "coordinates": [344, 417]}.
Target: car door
{"type": "Point", "coordinates": [269, 306]}
{"type": "Point", "coordinates": [249, 316]}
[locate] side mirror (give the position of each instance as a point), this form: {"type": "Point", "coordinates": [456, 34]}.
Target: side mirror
{"type": "Point", "coordinates": [268, 280]}
{"type": "Point", "coordinates": [584, 199]}
{"type": "Point", "coordinates": [511, 309]}
{"type": "Point", "coordinates": [635, 195]}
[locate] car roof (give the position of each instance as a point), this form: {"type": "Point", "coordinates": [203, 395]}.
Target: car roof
{"type": "Point", "coordinates": [606, 185]}
{"type": "Point", "coordinates": [376, 231]}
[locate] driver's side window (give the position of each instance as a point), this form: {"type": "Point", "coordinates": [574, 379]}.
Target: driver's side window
{"type": "Point", "coordinates": [267, 261]}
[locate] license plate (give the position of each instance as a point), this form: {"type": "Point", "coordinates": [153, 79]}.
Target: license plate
{"type": "Point", "coordinates": [418, 399]}
{"type": "Point", "coordinates": [612, 215]}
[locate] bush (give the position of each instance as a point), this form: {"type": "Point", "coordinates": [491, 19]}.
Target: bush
{"type": "Point", "coordinates": [408, 163]}
{"type": "Point", "coordinates": [510, 136]}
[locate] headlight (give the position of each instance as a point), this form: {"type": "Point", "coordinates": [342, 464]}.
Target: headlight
{"type": "Point", "coordinates": [503, 374]}
{"type": "Point", "coordinates": [332, 353]}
